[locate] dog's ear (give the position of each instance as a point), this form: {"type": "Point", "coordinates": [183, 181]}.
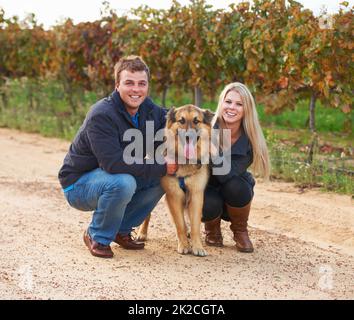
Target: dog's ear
{"type": "Point", "coordinates": [171, 114]}
{"type": "Point", "coordinates": [208, 116]}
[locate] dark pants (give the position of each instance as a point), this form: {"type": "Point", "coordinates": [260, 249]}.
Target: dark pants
{"type": "Point", "coordinates": [236, 192]}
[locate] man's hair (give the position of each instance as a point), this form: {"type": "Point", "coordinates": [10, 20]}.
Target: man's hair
{"type": "Point", "coordinates": [132, 64]}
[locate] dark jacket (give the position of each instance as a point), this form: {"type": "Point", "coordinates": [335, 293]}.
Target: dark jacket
{"type": "Point", "coordinates": [241, 159]}
{"type": "Point", "coordinates": [99, 141]}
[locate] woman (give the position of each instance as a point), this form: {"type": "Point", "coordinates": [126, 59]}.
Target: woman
{"type": "Point", "coordinates": [229, 196]}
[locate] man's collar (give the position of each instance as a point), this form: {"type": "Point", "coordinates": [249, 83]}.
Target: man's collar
{"type": "Point", "coordinates": [118, 102]}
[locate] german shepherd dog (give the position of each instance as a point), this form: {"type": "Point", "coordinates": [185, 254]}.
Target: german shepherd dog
{"type": "Point", "coordinates": [187, 135]}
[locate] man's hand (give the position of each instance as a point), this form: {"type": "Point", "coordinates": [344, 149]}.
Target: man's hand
{"type": "Point", "coordinates": [172, 167]}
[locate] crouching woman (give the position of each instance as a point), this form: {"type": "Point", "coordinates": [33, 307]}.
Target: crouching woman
{"type": "Point", "coordinates": [229, 196]}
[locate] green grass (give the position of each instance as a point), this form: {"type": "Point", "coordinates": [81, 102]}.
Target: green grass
{"type": "Point", "coordinates": [330, 172]}
{"type": "Point", "coordinates": [50, 114]}
{"type": "Point", "coordinates": [327, 119]}
{"type": "Point", "coordinates": [287, 135]}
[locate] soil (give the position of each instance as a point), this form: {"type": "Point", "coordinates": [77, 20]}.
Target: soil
{"type": "Point", "coordinates": [303, 239]}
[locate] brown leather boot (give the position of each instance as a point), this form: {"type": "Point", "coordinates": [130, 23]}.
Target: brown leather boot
{"type": "Point", "coordinates": [213, 236]}
{"type": "Point", "coordinates": [239, 218]}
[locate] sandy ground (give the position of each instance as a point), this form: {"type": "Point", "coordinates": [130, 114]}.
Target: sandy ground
{"type": "Point", "coordinates": [304, 243]}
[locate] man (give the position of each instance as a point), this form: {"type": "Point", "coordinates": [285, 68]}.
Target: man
{"type": "Point", "coordinates": [94, 175]}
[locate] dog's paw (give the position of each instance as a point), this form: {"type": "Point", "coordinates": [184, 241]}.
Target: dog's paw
{"type": "Point", "coordinates": [141, 236]}
{"type": "Point", "coordinates": [199, 251]}
{"type": "Point", "coordinates": [183, 249]}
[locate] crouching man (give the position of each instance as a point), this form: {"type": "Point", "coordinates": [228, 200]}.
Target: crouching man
{"type": "Point", "coordinates": [94, 175]}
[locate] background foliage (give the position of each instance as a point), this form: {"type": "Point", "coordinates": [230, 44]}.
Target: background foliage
{"type": "Point", "coordinates": [298, 66]}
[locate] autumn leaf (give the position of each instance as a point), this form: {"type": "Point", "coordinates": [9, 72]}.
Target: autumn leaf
{"type": "Point", "coordinates": [283, 82]}
{"type": "Point", "coordinates": [346, 108]}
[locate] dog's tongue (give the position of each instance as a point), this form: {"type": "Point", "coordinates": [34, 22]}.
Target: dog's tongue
{"type": "Point", "coordinates": [189, 151]}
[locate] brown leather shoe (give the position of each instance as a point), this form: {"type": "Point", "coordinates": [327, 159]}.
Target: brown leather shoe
{"type": "Point", "coordinates": [213, 235]}
{"type": "Point", "coordinates": [127, 242]}
{"type": "Point", "coordinates": [97, 249]}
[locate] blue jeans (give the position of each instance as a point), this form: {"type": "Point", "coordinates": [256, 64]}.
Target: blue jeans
{"type": "Point", "coordinates": [120, 202]}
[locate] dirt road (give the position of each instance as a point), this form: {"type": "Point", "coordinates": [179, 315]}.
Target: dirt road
{"type": "Point", "coordinates": [304, 243]}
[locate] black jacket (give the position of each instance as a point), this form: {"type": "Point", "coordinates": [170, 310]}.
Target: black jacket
{"type": "Point", "coordinates": [99, 141]}
{"type": "Point", "coordinates": [241, 159]}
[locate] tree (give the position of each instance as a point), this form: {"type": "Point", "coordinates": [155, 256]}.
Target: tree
{"type": "Point", "coordinates": [154, 44]}
{"type": "Point", "coordinates": [231, 29]}
{"type": "Point", "coordinates": [176, 43]}
{"type": "Point", "coordinates": [262, 47]}
{"type": "Point", "coordinates": [24, 46]}
{"type": "Point", "coordinates": [196, 40]}
{"type": "Point", "coordinates": [113, 32]}
{"type": "Point", "coordinates": [85, 56]}
{"type": "Point", "coordinates": [4, 56]}
{"type": "Point", "coordinates": [317, 60]}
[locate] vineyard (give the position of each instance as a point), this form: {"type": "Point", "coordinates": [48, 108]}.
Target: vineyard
{"type": "Point", "coordinates": [283, 52]}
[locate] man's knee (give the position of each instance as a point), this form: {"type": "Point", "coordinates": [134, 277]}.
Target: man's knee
{"type": "Point", "coordinates": [122, 184]}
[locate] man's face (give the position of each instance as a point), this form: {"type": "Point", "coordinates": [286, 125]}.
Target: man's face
{"type": "Point", "coordinates": [133, 89]}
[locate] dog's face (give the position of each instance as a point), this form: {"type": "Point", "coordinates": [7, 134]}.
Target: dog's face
{"type": "Point", "coordinates": [188, 130]}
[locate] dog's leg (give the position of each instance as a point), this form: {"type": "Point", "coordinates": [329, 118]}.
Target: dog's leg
{"type": "Point", "coordinates": [143, 229]}
{"type": "Point", "coordinates": [195, 208]}
{"type": "Point", "coordinates": [176, 205]}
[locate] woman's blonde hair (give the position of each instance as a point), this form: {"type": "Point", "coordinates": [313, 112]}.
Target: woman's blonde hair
{"type": "Point", "coordinates": [250, 123]}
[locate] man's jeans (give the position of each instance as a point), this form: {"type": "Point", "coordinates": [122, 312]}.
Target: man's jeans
{"type": "Point", "coordinates": [120, 202]}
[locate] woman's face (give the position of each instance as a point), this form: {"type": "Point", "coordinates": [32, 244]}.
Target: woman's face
{"type": "Point", "coordinates": [232, 109]}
